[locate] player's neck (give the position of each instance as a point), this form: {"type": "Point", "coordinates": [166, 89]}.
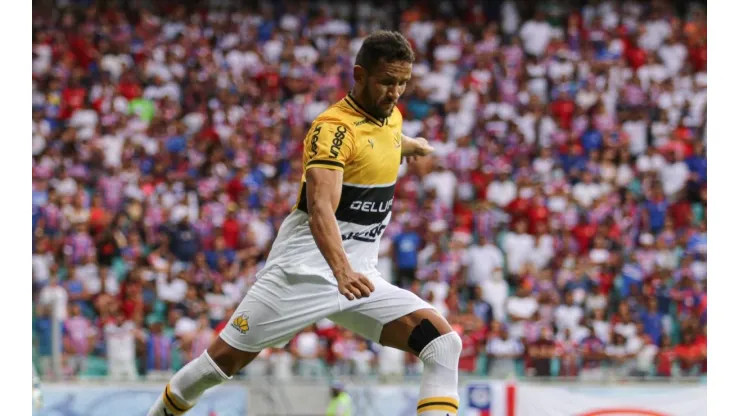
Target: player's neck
{"type": "Point", "coordinates": [362, 103]}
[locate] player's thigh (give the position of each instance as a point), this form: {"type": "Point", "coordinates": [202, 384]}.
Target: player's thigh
{"type": "Point", "coordinates": [273, 311]}
{"type": "Point", "coordinates": [389, 316]}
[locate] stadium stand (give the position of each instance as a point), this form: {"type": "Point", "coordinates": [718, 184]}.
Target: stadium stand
{"type": "Point", "coordinates": [561, 226]}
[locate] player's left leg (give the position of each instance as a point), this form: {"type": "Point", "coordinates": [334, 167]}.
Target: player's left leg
{"type": "Point", "coordinates": [397, 318]}
{"type": "Point", "coordinates": [427, 334]}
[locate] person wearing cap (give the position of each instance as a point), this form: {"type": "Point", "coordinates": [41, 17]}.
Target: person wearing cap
{"type": "Point", "coordinates": [340, 403]}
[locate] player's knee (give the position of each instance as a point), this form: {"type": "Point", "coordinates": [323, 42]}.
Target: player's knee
{"type": "Point", "coordinates": [447, 345]}
{"type": "Point", "coordinates": [229, 359]}
{"type": "Point", "coordinates": [450, 348]}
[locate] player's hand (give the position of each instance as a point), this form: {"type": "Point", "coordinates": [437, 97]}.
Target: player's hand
{"type": "Point", "coordinates": [354, 285]}
{"type": "Point", "coordinates": [416, 148]}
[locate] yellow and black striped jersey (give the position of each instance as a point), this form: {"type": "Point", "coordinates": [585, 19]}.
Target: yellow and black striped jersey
{"type": "Point", "coordinates": [368, 151]}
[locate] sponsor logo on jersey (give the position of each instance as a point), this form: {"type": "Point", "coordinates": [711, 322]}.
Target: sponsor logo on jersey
{"type": "Point", "coordinates": [315, 141]}
{"type": "Point", "coordinates": [241, 323]}
{"type": "Point", "coordinates": [367, 236]}
{"type": "Point", "coordinates": [372, 143]}
{"type": "Point", "coordinates": [361, 122]}
{"type": "Point", "coordinates": [397, 139]}
{"type": "Point", "coordinates": [372, 206]}
{"type": "Point", "coordinates": [358, 205]}
{"type": "Point", "coordinates": [338, 141]}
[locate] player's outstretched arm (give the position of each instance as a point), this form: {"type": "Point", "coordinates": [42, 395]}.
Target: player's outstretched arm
{"type": "Point", "coordinates": [414, 147]}
{"type": "Point", "coordinates": [323, 191]}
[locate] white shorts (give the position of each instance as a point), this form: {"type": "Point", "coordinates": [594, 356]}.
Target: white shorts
{"type": "Point", "coordinates": [279, 306]}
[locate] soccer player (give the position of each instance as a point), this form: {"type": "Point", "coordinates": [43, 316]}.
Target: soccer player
{"type": "Point", "coordinates": [323, 261]}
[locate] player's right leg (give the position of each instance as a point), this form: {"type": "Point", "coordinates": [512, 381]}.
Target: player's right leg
{"type": "Point", "coordinates": [270, 315]}
{"type": "Point", "coordinates": [216, 365]}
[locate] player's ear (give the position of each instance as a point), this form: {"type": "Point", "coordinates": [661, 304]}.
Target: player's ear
{"type": "Point", "coordinates": [359, 74]}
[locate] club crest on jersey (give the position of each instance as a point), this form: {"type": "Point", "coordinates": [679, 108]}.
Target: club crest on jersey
{"type": "Point", "coordinates": [241, 323]}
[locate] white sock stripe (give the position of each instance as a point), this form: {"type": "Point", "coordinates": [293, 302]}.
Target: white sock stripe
{"type": "Point", "coordinates": [215, 366]}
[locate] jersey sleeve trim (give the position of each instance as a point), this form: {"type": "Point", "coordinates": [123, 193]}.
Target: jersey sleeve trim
{"type": "Point", "coordinates": [328, 164]}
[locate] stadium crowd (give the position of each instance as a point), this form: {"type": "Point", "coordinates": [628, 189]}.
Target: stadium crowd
{"type": "Point", "coordinates": [561, 226]}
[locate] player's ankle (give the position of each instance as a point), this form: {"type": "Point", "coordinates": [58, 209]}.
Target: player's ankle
{"type": "Point", "coordinates": [186, 387]}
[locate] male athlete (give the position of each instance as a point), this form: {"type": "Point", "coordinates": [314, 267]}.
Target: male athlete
{"type": "Point", "coordinates": [322, 263]}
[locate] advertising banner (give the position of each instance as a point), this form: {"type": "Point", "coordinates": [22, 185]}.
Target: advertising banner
{"type": "Point", "coordinates": [132, 400]}
{"type": "Point", "coordinates": [476, 399]}
{"type": "Point", "coordinates": [535, 400]}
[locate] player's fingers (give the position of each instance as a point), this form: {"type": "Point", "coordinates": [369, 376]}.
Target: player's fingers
{"type": "Point", "coordinates": [364, 289]}
{"type": "Point", "coordinates": [347, 294]}
{"type": "Point", "coordinates": [356, 291]}
{"type": "Point", "coordinates": [367, 283]}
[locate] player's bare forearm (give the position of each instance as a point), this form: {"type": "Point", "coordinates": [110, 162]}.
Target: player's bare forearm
{"type": "Point", "coordinates": [324, 188]}
{"type": "Point", "coordinates": [328, 239]}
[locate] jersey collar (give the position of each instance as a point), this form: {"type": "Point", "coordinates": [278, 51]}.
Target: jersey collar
{"type": "Point", "coordinates": [350, 100]}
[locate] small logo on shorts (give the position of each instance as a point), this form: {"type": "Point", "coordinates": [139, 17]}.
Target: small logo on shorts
{"type": "Point", "coordinates": [241, 323]}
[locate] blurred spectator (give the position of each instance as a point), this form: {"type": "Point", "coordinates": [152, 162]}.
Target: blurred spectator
{"type": "Point", "coordinates": [120, 345]}
{"type": "Point", "coordinates": [665, 358]}
{"type": "Point", "coordinates": [159, 349]}
{"type": "Point", "coordinates": [390, 362]}
{"type": "Point", "coordinates": [540, 354]}
{"type": "Point", "coordinates": [282, 364]}
{"type": "Point", "coordinates": [362, 359]}
{"type": "Point", "coordinates": [406, 247]}
{"type": "Point", "coordinates": [503, 351]}
{"type": "Point", "coordinates": [481, 308]}
{"type": "Point", "coordinates": [521, 308]}
{"type": "Point", "coordinates": [307, 349]}
{"type": "Point", "coordinates": [171, 288]}
{"type": "Point", "coordinates": [483, 262]}
{"type": "Point", "coordinates": [645, 357]}
{"type": "Point", "coordinates": [594, 354]}
{"type": "Point", "coordinates": [42, 262]}
{"type": "Point", "coordinates": [566, 350]}
{"type": "Point", "coordinates": [42, 332]}
{"type": "Point", "coordinates": [568, 315]}
{"type": "Point", "coordinates": [79, 335]}
{"type": "Point", "coordinates": [55, 298]}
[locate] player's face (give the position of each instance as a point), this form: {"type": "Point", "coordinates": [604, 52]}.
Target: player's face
{"type": "Point", "coordinates": [385, 85]}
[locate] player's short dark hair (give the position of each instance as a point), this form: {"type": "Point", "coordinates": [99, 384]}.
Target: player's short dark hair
{"type": "Point", "coordinates": [386, 45]}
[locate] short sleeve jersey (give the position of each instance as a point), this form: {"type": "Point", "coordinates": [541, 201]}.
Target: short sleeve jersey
{"type": "Point", "coordinates": [368, 152]}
